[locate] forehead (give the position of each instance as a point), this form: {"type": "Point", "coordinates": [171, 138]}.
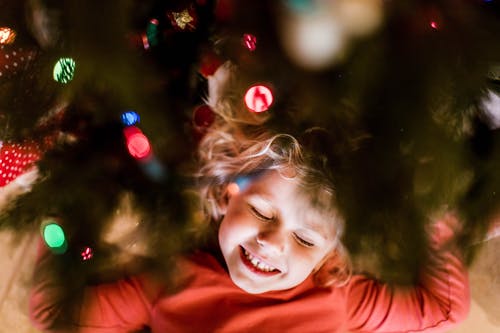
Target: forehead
{"type": "Point", "coordinates": [289, 199]}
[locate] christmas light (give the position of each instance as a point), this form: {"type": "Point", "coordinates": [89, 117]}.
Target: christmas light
{"type": "Point", "coordinates": [138, 146]}
{"type": "Point", "coordinates": [233, 189]}
{"type": "Point", "coordinates": [130, 118]}
{"type": "Point", "coordinates": [7, 35]}
{"type": "Point", "coordinates": [87, 253]}
{"type": "Point", "coordinates": [54, 237]}
{"type": "Point", "coordinates": [434, 25]}
{"type": "Point", "coordinates": [137, 143]}
{"type": "Point", "coordinates": [243, 181]}
{"type": "Point", "coordinates": [258, 98]}
{"type": "Point", "coordinates": [153, 169]}
{"type": "Point", "coordinates": [64, 70]}
{"type": "Point", "coordinates": [250, 42]}
{"type": "Point", "coordinates": [301, 5]}
{"type": "Point", "coordinates": [491, 108]}
{"type": "Point", "coordinates": [150, 38]}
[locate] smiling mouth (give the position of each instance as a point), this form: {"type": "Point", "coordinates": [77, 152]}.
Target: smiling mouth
{"type": "Point", "coordinates": [256, 265]}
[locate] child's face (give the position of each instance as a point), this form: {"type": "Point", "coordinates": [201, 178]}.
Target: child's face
{"type": "Point", "coordinates": [271, 238]}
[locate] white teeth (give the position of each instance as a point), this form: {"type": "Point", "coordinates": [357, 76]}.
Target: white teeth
{"type": "Point", "coordinates": [257, 263]}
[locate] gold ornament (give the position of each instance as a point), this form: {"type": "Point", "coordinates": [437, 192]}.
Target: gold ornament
{"type": "Point", "coordinates": [183, 18]}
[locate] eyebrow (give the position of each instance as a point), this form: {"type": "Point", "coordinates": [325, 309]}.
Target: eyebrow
{"type": "Point", "coordinates": [316, 227]}
{"type": "Point", "coordinates": [262, 199]}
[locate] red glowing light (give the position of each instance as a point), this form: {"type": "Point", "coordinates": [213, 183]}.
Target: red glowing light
{"type": "Point", "coordinates": [137, 143]}
{"type": "Point", "coordinates": [138, 146]}
{"type": "Point", "coordinates": [145, 41]}
{"type": "Point", "coordinates": [258, 98]}
{"type": "Point", "coordinates": [87, 253]}
{"type": "Point", "coordinates": [250, 42]}
{"type": "Point", "coordinates": [434, 25]}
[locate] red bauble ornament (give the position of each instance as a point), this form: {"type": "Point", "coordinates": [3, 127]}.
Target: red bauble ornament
{"type": "Point", "coordinates": [14, 59]}
{"type": "Point", "coordinates": [209, 63]}
{"type": "Point", "coordinates": [15, 159]}
{"type": "Point", "coordinates": [203, 116]}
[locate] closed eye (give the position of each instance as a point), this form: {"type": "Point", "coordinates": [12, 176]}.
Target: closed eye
{"type": "Point", "coordinates": [260, 215]}
{"type": "Point", "coordinates": [302, 241]}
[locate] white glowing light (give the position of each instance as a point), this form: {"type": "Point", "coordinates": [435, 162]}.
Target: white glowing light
{"type": "Point", "coordinates": [491, 108]}
{"type": "Point", "coordinates": [313, 41]}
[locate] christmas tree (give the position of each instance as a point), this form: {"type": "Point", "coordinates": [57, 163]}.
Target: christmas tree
{"type": "Point", "coordinates": [107, 100]}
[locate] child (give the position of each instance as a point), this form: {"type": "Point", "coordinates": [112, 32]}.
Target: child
{"type": "Point", "coordinates": [282, 268]}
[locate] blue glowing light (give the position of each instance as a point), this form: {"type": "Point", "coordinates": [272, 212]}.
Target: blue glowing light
{"type": "Point", "coordinates": [154, 169]}
{"type": "Point", "coordinates": [243, 182]}
{"type": "Point", "coordinates": [130, 118]}
{"type": "Point", "coordinates": [301, 5]}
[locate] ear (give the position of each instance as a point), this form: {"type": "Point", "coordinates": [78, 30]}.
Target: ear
{"type": "Point", "coordinates": [224, 198]}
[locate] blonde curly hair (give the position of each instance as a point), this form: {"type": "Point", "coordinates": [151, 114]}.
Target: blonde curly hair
{"type": "Point", "coordinates": [237, 144]}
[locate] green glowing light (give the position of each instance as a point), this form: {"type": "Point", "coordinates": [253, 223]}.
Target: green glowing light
{"type": "Point", "coordinates": [64, 70]}
{"type": "Point", "coordinates": [53, 235]}
{"type": "Point", "coordinates": [152, 32]}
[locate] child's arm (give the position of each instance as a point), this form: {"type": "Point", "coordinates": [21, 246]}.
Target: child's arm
{"type": "Point", "coordinates": [439, 301]}
{"type": "Point", "coordinates": [122, 306]}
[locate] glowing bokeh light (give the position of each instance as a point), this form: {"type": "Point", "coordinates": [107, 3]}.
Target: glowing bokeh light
{"type": "Point", "coordinates": [490, 104]}
{"type": "Point", "coordinates": [54, 237]}
{"type": "Point", "coordinates": [7, 35]}
{"type": "Point", "coordinates": [130, 118]}
{"type": "Point", "coordinates": [145, 42]}
{"type": "Point", "coordinates": [250, 42]}
{"type": "Point", "coordinates": [301, 5]}
{"type": "Point", "coordinates": [434, 25]}
{"type": "Point", "coordinates": [64, 70]}
{"type": "Point", "coordinates": [87, 253]}
{"type": "Point", "coordinates": [154, 169]}
{"type": "Point", "coordinates": [258, 98]}
{"type": "Point", "coordinates": [243, 182]}
{"type": "Point", "coordinates": [137, 143]}
{"type": "Point", "coordinates": [233, 189]}
{"type": "Point", "coordinates": [150, 38]}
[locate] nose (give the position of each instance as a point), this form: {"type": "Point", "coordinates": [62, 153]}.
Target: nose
{"type": "Point", "coordinates": [272, 241]}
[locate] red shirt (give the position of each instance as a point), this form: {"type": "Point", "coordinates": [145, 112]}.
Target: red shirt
{"type": "Point", "coordinates": [210, 302]}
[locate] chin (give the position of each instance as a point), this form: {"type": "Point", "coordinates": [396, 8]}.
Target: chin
{"type": "Point", "coordinates": [250, 288]}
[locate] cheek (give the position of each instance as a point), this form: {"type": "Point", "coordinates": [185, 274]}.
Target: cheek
{"type": "Point", "coordinates": [235, 228]}
{"type": "Point", "coordinates": [226, 231]}
{"type": "Point", "coordinates": [307, 259]}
